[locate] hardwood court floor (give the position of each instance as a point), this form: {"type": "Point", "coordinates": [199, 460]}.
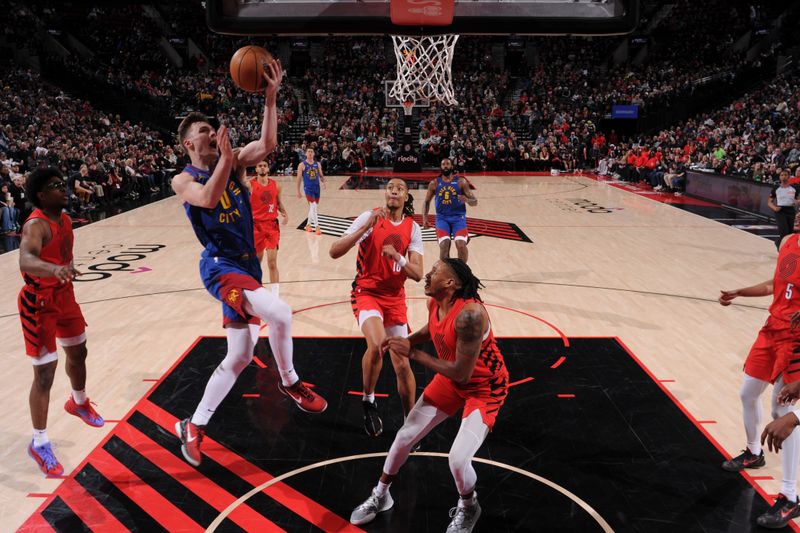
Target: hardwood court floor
{"type": "Point", "coordinates": [603, 263]}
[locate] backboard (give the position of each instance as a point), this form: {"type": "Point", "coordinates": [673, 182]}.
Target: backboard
{"type": "Point", "coordinates": [471, 17]}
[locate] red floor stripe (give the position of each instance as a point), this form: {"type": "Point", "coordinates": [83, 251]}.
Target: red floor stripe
{"type": "Point", "coordinates": [142, 494]}
{"type": "Point", "coordinates": [525, 380]}
{"type": "Point", "coordinates": [259, 362]}
{"type": "Point", "coordinates": [761, 478]}
{"type": "Point", "coordinates": [558, 363]}
{"type": "Point", "coordinates": [251, 396]}
{"type": "Point", "coordinates": [89, 510]}
{"type": "Point", "coordinates": [360, 393]}
{"type": "Point", "coordinates": [706, 421]}
{"type": "Point", "coordinates": [666, 381]}
{"type": "Point", "coordinates": [288, 497]}
{"type": "Point", "coordinates": [39, 495]}
{"type": "Point", "coordinates": [244, 516]}
{"type": "Point", "coordinates": [565, 395]}
{"type": "Point", "coordinates": [36, 524]}
{"type": "Point", "coordinates": [149, 379]}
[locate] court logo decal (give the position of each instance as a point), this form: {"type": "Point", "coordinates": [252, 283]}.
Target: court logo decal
{"type": "Point", "coordinates": [101, 263]}
{"type": "Point", "coordinates": [477, 227]}
{"type": "Point", "coordinates": [582, 205]}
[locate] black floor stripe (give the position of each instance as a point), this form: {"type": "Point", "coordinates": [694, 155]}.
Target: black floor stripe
{"type": "Point", "coordinates": [220, 475]}
{"type": "Point", "coordinates": [118, 504]}
{"type": "Point", "coordinates": [62, 518]}
{"type": "Point", "coordinates": [162, 482]}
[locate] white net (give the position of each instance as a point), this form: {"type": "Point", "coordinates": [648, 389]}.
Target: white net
{"type": "Point", "coordinates": [424, 68]}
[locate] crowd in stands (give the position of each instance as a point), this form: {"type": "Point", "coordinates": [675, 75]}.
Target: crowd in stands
{"type": "Point", "coordinates": [549, 118]}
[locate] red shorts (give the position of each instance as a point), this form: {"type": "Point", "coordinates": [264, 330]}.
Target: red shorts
{"type": "Point", "coordinates": [267, 234]}
{"type": "Point", "coordinates": [486, 396]}
{"type": "Point", "coordinates": [775, 352]}
{"type": "Point", "coordinates": [392, 309]}
{"type": "Point", "coordinates": [48, 314]}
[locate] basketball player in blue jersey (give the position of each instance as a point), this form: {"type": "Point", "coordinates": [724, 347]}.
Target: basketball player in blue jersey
{"type": "Point", "coordinates": [309, 173]}
{"type": "Point", "coordinates": [218, 206]}
{"type": "Point", "coordinates": [452, 194]}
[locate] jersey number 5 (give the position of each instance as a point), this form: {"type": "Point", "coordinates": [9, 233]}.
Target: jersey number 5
{"type": "Point", "coordinates": [789, 291]}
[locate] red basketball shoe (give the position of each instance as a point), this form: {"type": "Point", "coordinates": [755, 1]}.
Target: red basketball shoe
{"type": "Point", "coordinates": [43, 455]}
{"type": "Point", "coordinates": [85, 412]}
{"type": "Point", "coordinates": [306, 399]}
{"type": "Point", "coordinates": [191, 436]}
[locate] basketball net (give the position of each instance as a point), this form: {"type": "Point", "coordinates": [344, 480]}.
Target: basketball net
{"type": "Point", "coordinates": [424, 69]}
{"type": "Point", "coordinates": [408, 107]}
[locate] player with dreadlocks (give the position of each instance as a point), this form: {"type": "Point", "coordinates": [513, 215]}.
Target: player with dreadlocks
{"type": "Point", "coordinates": [470, 373]}
{"type": "Point", "coordinates": [389, 251]}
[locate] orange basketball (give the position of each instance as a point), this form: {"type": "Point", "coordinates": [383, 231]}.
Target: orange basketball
{"type": "Point", "coordinates": [247, 68]}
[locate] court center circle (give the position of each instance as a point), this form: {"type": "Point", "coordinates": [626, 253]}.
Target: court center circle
{"type": "Point", "coordinates": [544, 481]}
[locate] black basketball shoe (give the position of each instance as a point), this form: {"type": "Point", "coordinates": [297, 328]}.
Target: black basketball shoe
{"type": "Point", "coordinates": [780, 513]}
{"type": "Point", "coordinates": [747, 459]}
{"type": "Point", "coordinates": [372, 421]}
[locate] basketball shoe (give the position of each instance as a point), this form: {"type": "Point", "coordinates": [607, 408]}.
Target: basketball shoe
{"type": "Point", "coordinates": [372, 421]}
{"type": "Point", "coordinates": [746, 459]}
{"type": "Point", "coordinates": [373, 505]}
{"type": "Point", "coordinates": [306, 399]}
{"type": "Point", "coordinates": [780, 513]}
{"type": "Point", "coordinates": [85, 412]}
{"type": "Point", "coordinates": [43, 455]}
{"type": "Point", "coordinates": [464, 518]}
{"type": "Point", "coordinates": [319, 231]}
{"type": "Point", "coordinates": [191, 436]}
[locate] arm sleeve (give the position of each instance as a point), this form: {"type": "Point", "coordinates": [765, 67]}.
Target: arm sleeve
{"type": "Point", "coordinates": [416, 240]}
{"type": "Point", "coordinates": [358, 223]}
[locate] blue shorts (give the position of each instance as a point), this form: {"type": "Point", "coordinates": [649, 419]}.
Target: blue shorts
{"type": "Point", "coordinates": [312, 194]}
{"type": "Point", "coordinates": [226, 280]}
{"type": "Point", "coordinates": [451, 225]}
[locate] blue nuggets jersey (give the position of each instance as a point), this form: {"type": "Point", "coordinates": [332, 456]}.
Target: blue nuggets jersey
{"type": "Point", "coordinates": [226, 230]}
{"type": "Point", "coordinates": [447, 202]}
{"type": "Point", "coordinates": [311, 176]}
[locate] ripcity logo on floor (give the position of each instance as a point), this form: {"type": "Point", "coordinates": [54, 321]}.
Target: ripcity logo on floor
{"type": "Point", "coordinates": [578, 205]}
{"type": "Point", "coordinates": [101, 263]}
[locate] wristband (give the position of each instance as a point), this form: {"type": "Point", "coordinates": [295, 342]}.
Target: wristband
{"type": "Point", "coordinates": [402, 262]}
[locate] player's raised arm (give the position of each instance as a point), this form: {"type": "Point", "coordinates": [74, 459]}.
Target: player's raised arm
{"type": "Point", "coordinates": [761, 289]}
{"type": "Point", "coordinates": [256, 151]}
{"type": "Point", "coordinates": [207, 195]}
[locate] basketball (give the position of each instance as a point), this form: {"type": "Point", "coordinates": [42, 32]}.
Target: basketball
{"type": "Point", "coordinates": [247, 68]}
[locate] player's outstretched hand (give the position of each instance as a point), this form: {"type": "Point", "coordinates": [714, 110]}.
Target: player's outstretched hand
{"type": "Point", "coordinates": [398, 345]}
{"type": "Point", "coordinates": [284, 219]}
{"type": "Point", "coordinates": [778, 431]}
{"type": "Point", "coordinates": [273, 73]}
{"type": "Point", "coordinates": [74, 271]}
{"type": "Point", "coordinates": [789, 394]}
{"type": "Point", "coordinates": [726, 297]}
{"type": "Point", "coordinates": [224, 143]}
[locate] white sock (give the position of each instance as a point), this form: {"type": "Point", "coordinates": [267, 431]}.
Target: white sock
{"type": "Point", "coordinates": [278, 315]}
{"type": "Point", "coordinates": [369, 397]}
{"type": "Point", "coordinates": [750, 394]}
{"type": "Point", "coordinates": [79, 396]}
{"type": "Point", "coordinates": [240, 353]}
{"type": "Point", "coordinates": [315, 206]}
{"type": "Point", "coordinates": [790, 449]}
{"type": "Point", "coordinates": [311, 214]}
{"type": "Point", "coordinates": [40, 437]}
{"type": "Point", "coordinates": [382, 488]}
{"type": "Point", "coordinates": [276, 289]}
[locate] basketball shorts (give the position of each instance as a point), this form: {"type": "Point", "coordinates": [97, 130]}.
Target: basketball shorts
{"type": "Point", "coordinates": [267, 234]}
{"type": "Point", "coordinates": [392, 309]}
{"type": "Point", "coordinates": [46, 315]}
{"type": "Point", "coordinates": [312, 194]}
{"type": "Point", "coordinates": [488, 396]}
{"type": "Point", "coordinates": [775, 352]}
{"type": "Point", "coordinates": [455, 226]}
{"type": "Point", "coordinates": [226, 280]}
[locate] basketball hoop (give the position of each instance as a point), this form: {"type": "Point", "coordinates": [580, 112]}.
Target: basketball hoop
{"type": "Point", "coordinates": [424, 68]}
